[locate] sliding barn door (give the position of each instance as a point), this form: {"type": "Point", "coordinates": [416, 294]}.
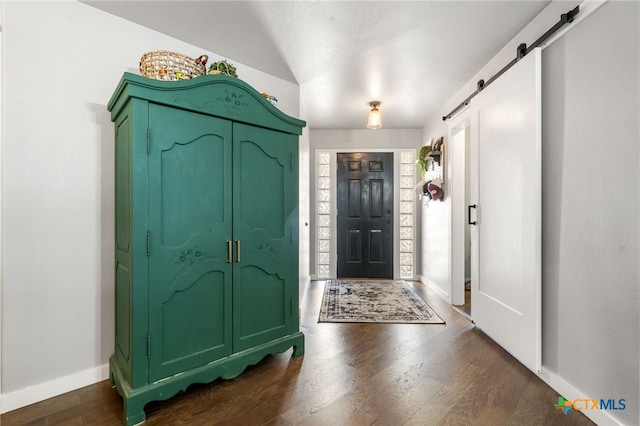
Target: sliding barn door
{"type": "Point", "coordinates": [506, 240]}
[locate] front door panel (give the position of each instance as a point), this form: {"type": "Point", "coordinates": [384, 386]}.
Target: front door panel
{"type": "Point", "coordinates": [189, 224]}
{"type": "Point", "coordinates": [365, 215]}
{"type": "Point", "coordinates": [265, 210]}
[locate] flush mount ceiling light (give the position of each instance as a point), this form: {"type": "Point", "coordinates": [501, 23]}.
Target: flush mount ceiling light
{"type": "Point", "coordinates": [375, 118]}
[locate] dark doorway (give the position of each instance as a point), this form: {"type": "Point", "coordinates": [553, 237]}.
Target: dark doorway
{"type": "Point", "coordinates": [365, 215]}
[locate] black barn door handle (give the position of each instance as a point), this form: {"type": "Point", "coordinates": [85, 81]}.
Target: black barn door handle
{"type": "Point", "coordinates": [472, 206]}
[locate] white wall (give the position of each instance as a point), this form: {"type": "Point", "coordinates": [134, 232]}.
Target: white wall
{"type": "Point", "coordinates": [591, 202]}
{"type": "Point", "coordinates": [591, 251]}
{"type": "Point", "coordinates": [305, 206]}
{"type": "Point", "coordinates": [366, 138]}
{"type": "Point", "coordinates": [61, 62]}
{"type": "Point", "coordinates": [435, 265]}
{"type": "Point", "coordinates": [1, 196]}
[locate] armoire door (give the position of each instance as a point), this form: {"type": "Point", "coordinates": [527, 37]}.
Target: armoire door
{"type": "Point", "coordinates": [189, 224]}
{"type": "Point", "coordinates": [265, 234]}
{"type": "Point", "coordinates": [365, 215]}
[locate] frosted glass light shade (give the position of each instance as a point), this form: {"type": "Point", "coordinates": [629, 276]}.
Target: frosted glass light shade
{"type": "Point", "coordinates": [375, 118]}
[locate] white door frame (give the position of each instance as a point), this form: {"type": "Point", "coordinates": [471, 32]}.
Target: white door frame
{"type": "Point", "coordinates": [397, 213]}
{"type": "Point", "coordinates": [457, 179]}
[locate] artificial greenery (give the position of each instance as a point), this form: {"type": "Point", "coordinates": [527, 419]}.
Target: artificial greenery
{"type": "Point", "coordinates": [424, 159]}
{"type": "Point", "coordinates": [224, 67]}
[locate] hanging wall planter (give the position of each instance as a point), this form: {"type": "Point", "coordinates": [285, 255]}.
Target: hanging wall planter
{"type": "Point", "coordinates": [429, 154]}
{"type": "Point", "coordinates": [424, 159]}
{"type": "Point", "coordinates": [430, 162]}
{"type": "Point", "coordinates": [437, 147]}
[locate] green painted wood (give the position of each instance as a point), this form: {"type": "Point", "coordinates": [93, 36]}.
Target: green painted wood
{"type": "Point", "coordinates": [131, 268]}
{"type": "Point", "coordinates": [189, 222]}
{"type": "Point", "coordinates": [218, 95]}
{"type": "Point", "coordinates": [265, 208]}
{"type": "Point", "coordinates": [140, 260]}
{"type": "Point", "coordinates": [123, 222]}
{"type": "Point", "coordinates": [225, 368]}
{"type": "Point", "coordinates": [191, 176]}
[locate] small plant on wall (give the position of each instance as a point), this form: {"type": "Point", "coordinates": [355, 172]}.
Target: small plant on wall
{"type": "Point", "coordinates": [424, 159]}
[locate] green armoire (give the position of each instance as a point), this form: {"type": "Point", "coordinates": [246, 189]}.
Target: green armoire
{"type": "Point", "coordinates": [206, 244]}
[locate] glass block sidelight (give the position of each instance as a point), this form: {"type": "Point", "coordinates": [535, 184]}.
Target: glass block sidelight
{"type": "Point", "coordinates": [324, 182]}
{"type": "Point", "coordinates": [407, 169]}
{"type": "Point", "coordinates": [406, 207]}
{"type": "Point", "coordinates": [406, 271]}
{"type": "Point", "coordinates": [323, 233]}
{"type": "Point", "coordinates": [324, 220]}
{"type": "Point", "coordinates": [406, 246]}
{"type": "Point", "coordinates": [406, 194]}
{"type": "Point", "coordinates": [406, 157]}
{"type": "Point", "coordinates": [323, 214]}
{"type": "Point", "coordinates": [406, 182]}
{"type": "Point", "coordinates": [323, 246]}
{"type": "Point", "coordinates": [324, 158]}
{"type": "Point", "coordinates": [407, 197]}
{"type": "Point", "coordinates": [323, 170]}
{"type": "Point", "coordinates": [323, 271]}
{"type": "Point", "coordinates": [324, 195]}
{"type": "Point", "coordinates": [324, 207]}
{"type": "Point", "coordinates": [406, 233]}
{"type": "Point", "coordinates": [323, 258]}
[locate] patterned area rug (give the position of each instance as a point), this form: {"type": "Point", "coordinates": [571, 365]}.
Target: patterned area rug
{"type": "Point", "coordinates": [374, 301]}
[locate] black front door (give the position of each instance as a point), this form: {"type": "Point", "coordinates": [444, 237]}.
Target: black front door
{"type": "Point", "coordinates": [365, 215]}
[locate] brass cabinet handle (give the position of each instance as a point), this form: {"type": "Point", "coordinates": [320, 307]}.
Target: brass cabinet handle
{"type": "Point", "coordinates": [237, 250]}
{"type": "Point", "coordinates": [229, 250]}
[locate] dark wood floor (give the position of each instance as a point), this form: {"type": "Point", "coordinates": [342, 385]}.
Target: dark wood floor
{"type": "Point", "coordinates": [351, 374]}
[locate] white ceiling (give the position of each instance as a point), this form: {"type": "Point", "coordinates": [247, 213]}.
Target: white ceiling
{"type": "Point", "coordinates": [411, 55]}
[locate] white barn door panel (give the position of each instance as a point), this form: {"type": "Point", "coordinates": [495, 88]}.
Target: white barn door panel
{"type": "Point", "coordinates": [506, 240]}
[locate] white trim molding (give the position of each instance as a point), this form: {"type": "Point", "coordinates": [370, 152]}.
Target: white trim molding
{"type": "Point", "coordinates": [571, 393]}
{"type": "Point", "coordinates": [40, 392]}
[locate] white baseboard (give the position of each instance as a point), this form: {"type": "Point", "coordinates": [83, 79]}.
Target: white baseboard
{"type": "Point", "coordinates": [440, 292]}
{"type": "Point", "coordinates": [32, 394]}
{"type": "Point", "coordinates": [571, 393]}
